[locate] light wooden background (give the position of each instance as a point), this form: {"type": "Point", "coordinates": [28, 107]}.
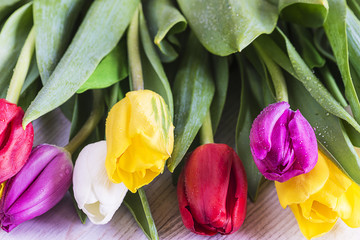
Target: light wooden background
{"type": "Point", "coordinates": [265, 219]}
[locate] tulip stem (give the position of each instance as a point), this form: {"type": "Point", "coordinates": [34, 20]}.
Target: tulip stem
{"type": "Point", "coordinates": [276, 74]}
{"type": "Point", "coordinates": [21, 68]}
{"type": "Point", "coordinates": [90, 124]}
{"type": "Point", "coordinates": [136, 74]}
{"type": "Point", "coordinates": [206, 132]}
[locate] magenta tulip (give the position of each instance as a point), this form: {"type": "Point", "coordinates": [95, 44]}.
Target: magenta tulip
{"type": "Point", "coordinates": [212, 190]}
{"type": "Point", "coordinates": [39, 186]}
{"type": "Point", "coordinates": [283, 143]}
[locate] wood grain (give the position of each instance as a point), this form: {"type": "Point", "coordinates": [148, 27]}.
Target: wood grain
{"type": "Point", "coordinates": [265, 219]}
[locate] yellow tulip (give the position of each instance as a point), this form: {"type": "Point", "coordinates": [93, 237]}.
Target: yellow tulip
{"type": "Point", "coordinates": [2, 185]}
{"type": "Point", "coordinates": [140, 138]}
{"type": "Point", "coordinates": [320, 197]}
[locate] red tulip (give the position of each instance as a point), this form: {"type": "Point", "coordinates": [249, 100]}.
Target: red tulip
{"type": "Point", "coordinates": [212, 190]}
{"type": "Point", "coordinates": [15, 142]}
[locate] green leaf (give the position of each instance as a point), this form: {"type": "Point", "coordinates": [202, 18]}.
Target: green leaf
{"type": "Point", "coordinates": [193, 92]}
{"type": "Point", "coordinates": [250, 107]}
{"type": "Point", "coordinates": [225, 27]}
{"type": "Point", "coordinates": [112, 69]}
{"type": "Point", "coordinates": [303, 73]}
{"type": "Point", "coordinates": [114, 94]}
{"type": "Point", "coordinates": [335, 29]}
{"type": "Point", "coordinates": [276, 52]}
{"type": "Point", "coordinates": [328, 129]}
{"type": "Point", "coordinates": [322, 44]}
{"type": "Point", "coordinates": [353, 36]}
{"type": "Point", "coordinates": [8, 6]}
{"type": "Point", "coordinates": [100, 31]}
{"type": "Point", "coordinates": [31, 86]}
{"type": "Point", "coordinates": [28, 94]}
{"type": "Point", "coordinates": [140, 209]}
{"type": "Point", "coordinates": [354, 5]}
{"type": "Point", "coordinates": [12, 38]}
{"type": "Point", "coordinates": [164, 20]}
{"type": "Point", "coordinates": [154, 75]}
{"type": "Point", "coordinates": [68, 107]}
{"type": "Point", "coordinates": [315, 87]}
{"type": "Point", "coordinates": [309, 13]}
{"type": "Point", "coordinates": [307, 51]}
{"type": "Point", "coordinates": [220, 67]}
{"type": "Point", "coordinates": [260, 67]}
{"type": "Point", "coordinates": [32, 75]}
{"type": "Point", "coordinates": [54, 23]}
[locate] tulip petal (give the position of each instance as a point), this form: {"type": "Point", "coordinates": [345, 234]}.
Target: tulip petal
{"type": "Point", "coordinates": [334, 188]}
{"type": "Point", "coordinates": [317, 212]}
{"type": "Point", "coordinates": [207, 180]}
{"type": "Point", "coordinates": [185, 212]}
{"type": "Point", "coordinates": [352, 196]}
{"type": "Point", "coordinates": [24, 179]}
{"type": "Point", "coordinates": [140, 139]}
{"type": "Point", "coordinates": [308, 228]}
{"type": "Point", "coordinates": [261, 130]}
{"type": "Point", "coordinates": [45, 187]}
{"type": "Point", "coordinates": [239, 200]}
{"type": "Point", "coordinates": [82, 182]}
{"type": "Point", "coordinates": [212, 190]}
{"type": "Point", "coordinates": [300, 188]}
{"type": "Point", "coordinates": [303, 142]}
{"type": "Point", "coordinates": [118, 139]}
{"type": "Point", "coordinates": [48, 186]}
{"type": "Point", "coordinates": [282, 143]}
{"type": "Point", "coordinates": [95, 194]}
{"type": "Point", "coordinates": [15, 142]}
{"type": "Point", "coordinates": [147, 163]}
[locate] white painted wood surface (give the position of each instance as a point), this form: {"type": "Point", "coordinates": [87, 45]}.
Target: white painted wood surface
{"type": "Point", "coordinates": [265, 219]}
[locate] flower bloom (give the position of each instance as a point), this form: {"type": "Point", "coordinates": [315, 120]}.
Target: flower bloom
{"type": "Point", "coordinates": [212, 190]}
{"type": "Point", "coordinates": [140, 138]}
{"type": "Point", "coordinates": [15, 142]}
{"type": "Point", "coordinates": [320, 197]}
{"type": "Point", "coordinates": [282, 143]}
{"type": "Point", "coordinates": [94, 193]}
{"type": "Point", "coordinates": [37, 187]}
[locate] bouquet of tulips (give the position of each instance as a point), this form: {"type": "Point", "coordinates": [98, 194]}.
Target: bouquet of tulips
{"type": "Point", "coordinates": [144, 84]}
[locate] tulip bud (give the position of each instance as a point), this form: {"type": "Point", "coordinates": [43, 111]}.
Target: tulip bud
{"type": "Point", "coordinates": [212, 190]}
{"type": "Point", "coordinates": [94, 193]}
{"type": "Point", "coordinates": [140, 138]}
{"type": "Point", "coordinates": [283, 143]}
{"type": "Point", "coordinates": [15, 142]}
{"type": "Point", "coordinates": [37, 187]}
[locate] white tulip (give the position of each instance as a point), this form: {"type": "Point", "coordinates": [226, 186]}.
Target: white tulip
{"type": "Point", "coordinates": [95, 194]}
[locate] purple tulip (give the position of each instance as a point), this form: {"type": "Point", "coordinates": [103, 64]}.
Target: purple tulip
{"type": "Point", "coordinates": [283, 143]}
{"type": "Point", "coordinates": [39, 186]}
